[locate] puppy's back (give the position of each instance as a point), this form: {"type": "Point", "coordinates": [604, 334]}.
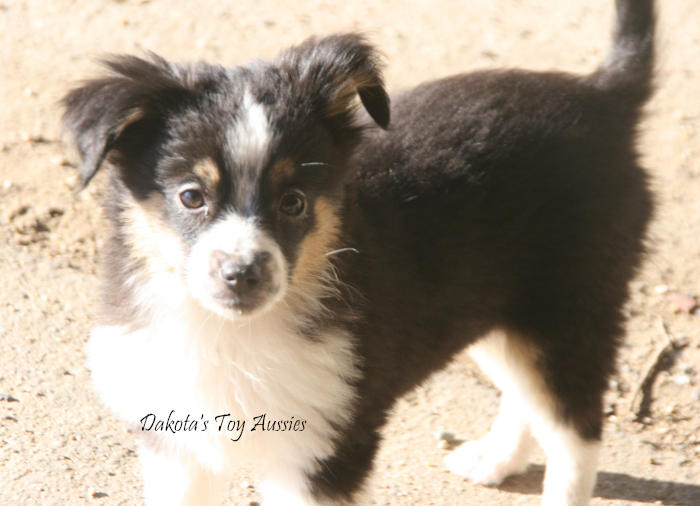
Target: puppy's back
{"type": "Point", "coordinates": [516, 196]}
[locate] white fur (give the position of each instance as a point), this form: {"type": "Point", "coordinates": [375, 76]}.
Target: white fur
{"type": "Point", "coordinates": [251, 135]}
{"type": "Point", "coordinates": [196, 362]}
{"type": "Point", "coordinates": [276, 494]}
{"type": "Point", "coordinates": [179, 481]}
{"type": "Point", "coordinates": [504, 451]}
{"type": "Point", "coordinates": [571, 466]}
{"type": "Point", "coordinates": [249, 141]}
{"type": "Point", "coordinates": [241, 239]}
{"type": "Point", "coordinates": [527, 410]}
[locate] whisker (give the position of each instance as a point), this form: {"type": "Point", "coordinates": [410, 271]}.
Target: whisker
{"type": "Point", "coordinates": [218, 332]}
{"type": "Point", "coordinates": [315, 164]}
{"type": "Point", "coordinates": [341, 250]}
{"type": "Point", "coordinates": [201, 327]}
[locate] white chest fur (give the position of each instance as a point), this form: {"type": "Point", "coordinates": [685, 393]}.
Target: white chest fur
{"type": "Point", "coordinates": [190, 361]}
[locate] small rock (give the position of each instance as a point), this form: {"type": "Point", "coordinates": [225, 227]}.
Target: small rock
{"type": "Point", "coordinates": [639, 286]}
{"type": "Point", "coordinates": [670, 409]}
{"type": "Point", "coordinates": [36, 135]}
{"type": "Point", "coordinates": [59, 160]}
{"type": "Point", "coordinates": [7, 184]}
{"type": "Point", "coordinates": [445, 435]}
{"type": "Point", "coordinates": [679, 115]}
{"type": "Point", "coordinates": [38, 131]}
{"type": "Point", "coordinates": [95, 494]}
{"type": "Point", "coordinates": [681, 379]}
{"type": "Point", "coordinates": [682, 303]}
{"type": "Point", "coordinates": [8, 398]}
{"type": "Point", "coordinates": [661, 289]}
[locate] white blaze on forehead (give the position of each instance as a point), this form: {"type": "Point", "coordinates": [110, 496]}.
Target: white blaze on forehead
{"type": "Point", "coordinates": [249, 141]}
{"type": "Point", "coordinates": [251, 133]}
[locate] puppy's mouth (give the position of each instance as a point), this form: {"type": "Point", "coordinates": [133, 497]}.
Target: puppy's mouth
{"type": "Point", "coordinates": [242, 305]}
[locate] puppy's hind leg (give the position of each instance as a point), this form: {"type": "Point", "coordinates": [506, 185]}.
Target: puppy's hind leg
{"type": "Point", "coordinates": [507, 448]}
{"type": "Point", "coordinates": [531, 407]}
{"type": "Point", "coordinates": [569, 426]}
{"type": "Point", "coordinates": [571, 464]}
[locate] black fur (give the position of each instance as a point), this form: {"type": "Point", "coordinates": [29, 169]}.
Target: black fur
{"type": "Point", "coordinates": [502, 199]}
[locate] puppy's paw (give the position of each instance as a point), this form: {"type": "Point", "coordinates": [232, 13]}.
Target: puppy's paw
{"type": "Point", "coordinates": [485, 462]}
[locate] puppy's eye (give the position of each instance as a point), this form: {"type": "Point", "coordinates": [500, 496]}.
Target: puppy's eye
{"type": "Point", "coordinates": [292, 204]}
{"type": "Point", "coordinates": [192, 198]}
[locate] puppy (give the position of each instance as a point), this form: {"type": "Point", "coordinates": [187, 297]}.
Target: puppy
{"type": "Point", "coordinates": [281, 266]}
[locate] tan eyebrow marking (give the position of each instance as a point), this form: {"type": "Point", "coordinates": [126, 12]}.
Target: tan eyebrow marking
{"type": "Point", "coordinates": [208, 172]}
{"type": "Point", "coordinates": [281, 171]}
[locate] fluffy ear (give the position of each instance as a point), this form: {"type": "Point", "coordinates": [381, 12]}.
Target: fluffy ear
{"type": "Point", "coordinates": [99, 113]}
{"type": "Point", "coordinates": [336, 69]}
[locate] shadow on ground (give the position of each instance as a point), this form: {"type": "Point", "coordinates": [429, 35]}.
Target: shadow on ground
{"type": "Point", "coordinates": [615, 486]}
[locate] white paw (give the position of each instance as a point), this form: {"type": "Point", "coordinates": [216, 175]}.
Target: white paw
{"type": "Point", "coordinates": [484, 462]}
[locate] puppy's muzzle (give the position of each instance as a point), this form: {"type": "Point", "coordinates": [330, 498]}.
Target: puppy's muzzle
{"type": "Point", "coordinates": [243, 283]}
{"type": "Point", "coordinates": [243, 278]}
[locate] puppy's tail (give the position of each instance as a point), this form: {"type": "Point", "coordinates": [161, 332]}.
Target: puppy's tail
{"type": "Point", "coordinates": [628, 69]}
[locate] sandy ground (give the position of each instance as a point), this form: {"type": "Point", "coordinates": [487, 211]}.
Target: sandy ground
{"type": "Point", "coordinates": [59, 446]}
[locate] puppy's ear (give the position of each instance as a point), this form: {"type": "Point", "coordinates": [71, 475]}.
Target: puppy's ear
{"type": "Point", "coordinates": [134, 97]}
{"type": "Point", "coordinates": [338, 68]}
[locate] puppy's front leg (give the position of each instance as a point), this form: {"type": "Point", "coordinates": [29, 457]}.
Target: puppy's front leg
{"type": "Point", "coordinates": [504, 451]}
{"type": "Point", "coordinates": [341, 479]}
{"type": "Point", "coordinates": [178, 480]}
{"type": "Point", "coordinates": [294, 489]}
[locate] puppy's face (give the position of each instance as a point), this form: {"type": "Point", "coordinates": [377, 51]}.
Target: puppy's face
{"type": "Point", "coordinates": [252, 208]}
{"type": "Point", "coordinates": [231, 178]}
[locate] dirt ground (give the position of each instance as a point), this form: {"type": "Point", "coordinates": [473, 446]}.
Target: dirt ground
{"type": "Point", "coordinates": [60, 446]}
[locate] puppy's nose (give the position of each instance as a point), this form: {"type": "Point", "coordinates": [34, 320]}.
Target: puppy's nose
{"type": "Point", "coordinates": [241, 277]}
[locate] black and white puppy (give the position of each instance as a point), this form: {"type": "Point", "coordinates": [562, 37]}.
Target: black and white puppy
{"type": "Point", "coordinates": [275, 251]}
